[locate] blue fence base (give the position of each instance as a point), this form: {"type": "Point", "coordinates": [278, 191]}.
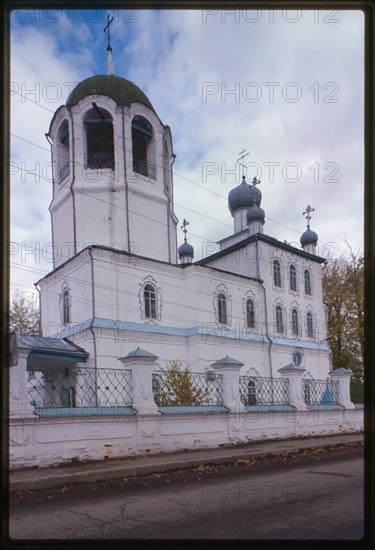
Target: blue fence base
{"type": "Point", "coordinates": [327, 407]}
{"type": "Point", "coordinates": [87, 412]}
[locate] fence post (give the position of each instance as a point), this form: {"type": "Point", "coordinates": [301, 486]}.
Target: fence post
{"type": "Point", "coordinates": [230, 369]}
{"type": "Point", "coordinates": [141, 364]}
{"type": "Point", "coordinates": [294, 375]}
{"type": "Point", "coordinates": [343, 376]}
{"type": "Point", "coordinates": [19, 402]}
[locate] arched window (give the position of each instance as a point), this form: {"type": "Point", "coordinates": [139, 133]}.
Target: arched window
{"type": "Point", "coordinates": [307, 282]}
{"type": "Point", "coordinates": [276, 273]}
{"type": "Point", "coordinates": [99, 139]}
{"type": "Point", "coordinates": [309, 325]}
{"type": "Point", "coordinates": [295, 329]}
{"type": "Point", "coordinates": [279, 320]}
{"type": "Point", "coordinates": [293, 278]}
{"type": "Point", "coordinates": [222, 309]}
{"type": "Point", "coordinates": [62, 152]}
{"type": "Point", "coordinates": [149, 293]}
{"type": "Point", "coordinates": [250, 313]}
{"type": "Point", "coordinates": [66, 306]}
{"type": "Point", "coordinates": [142, 138]}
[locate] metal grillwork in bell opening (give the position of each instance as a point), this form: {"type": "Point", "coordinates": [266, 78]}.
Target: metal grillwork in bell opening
{"type": "Point", "coordinates": [320, 392]}
{"type": "Point", "coordinates": [187, 388]}
{"type": "Point", "coordinates": [100, 160]}
{"type": "Point", "coordinates": [145, 168]}
{"type": "Point", "coordinates": [257, 390]}
{"type": "Point", "coordinates": [80, 387]}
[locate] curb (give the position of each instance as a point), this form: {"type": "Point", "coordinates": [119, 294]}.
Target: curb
{"type": "Point", "coordinates": [54, 480]}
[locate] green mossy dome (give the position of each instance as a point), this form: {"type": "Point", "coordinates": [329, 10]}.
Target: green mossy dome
{"type": "Point", "coordinates": [122, 91]}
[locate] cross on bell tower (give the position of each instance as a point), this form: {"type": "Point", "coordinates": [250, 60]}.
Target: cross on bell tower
{"type": "Point", "coordinates": [308, 216]}
{"type": "Point", "coordinates": [111, 70]}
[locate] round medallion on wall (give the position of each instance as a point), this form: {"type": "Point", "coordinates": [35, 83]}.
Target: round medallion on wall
{"type": "Point", "coordinates": [297, 358]}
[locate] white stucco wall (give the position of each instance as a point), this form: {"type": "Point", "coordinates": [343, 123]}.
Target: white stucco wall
{"type": "Point", "coordinates": [49, 442]}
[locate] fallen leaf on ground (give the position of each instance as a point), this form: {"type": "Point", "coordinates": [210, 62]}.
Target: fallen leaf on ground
{"type": "Point", "coordinates": [244, 462]}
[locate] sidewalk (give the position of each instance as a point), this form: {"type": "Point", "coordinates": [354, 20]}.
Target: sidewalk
{"type": "Point", "coordinates": [30, 479]}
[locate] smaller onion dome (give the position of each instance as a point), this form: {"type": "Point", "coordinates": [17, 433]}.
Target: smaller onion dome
{"type": "Point", "coordinates": [308, 237]}
{"type": "Point", "coordinates": [185, 250]}
{"type": "Point", "coordinates": [244, 196]}
{"type": "Point", "coordinates": [255, 214]}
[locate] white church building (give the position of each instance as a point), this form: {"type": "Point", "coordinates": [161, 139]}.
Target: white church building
{"type": "Point", "coordinates": [126, 298]}
{"type": "Point", "coordinates": [121, 281]}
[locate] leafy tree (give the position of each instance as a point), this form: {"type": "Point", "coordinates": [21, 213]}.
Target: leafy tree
{"type": "Point", "coordinates": [24, 314]}
{"type": "Point", "coordinates": [177, 387]}
{"type": "Point", "coordinates": [343, 288]}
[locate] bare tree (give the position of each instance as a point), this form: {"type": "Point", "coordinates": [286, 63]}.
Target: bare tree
{"type": "Point", "coordinates": [24, 314]}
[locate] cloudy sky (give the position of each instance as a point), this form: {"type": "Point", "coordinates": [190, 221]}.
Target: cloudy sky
{"type": "Point", "coordinates": [285, 85]}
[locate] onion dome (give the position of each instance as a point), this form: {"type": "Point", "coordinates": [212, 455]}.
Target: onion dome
{"type": "Point", "coordinates": [309, 237]}
{"type": "Point", "coordinates": [185, 250]}
{"type": "Point", "coordinates": [122, 91]}
{"type": "Point", "coordinates": [244, 196]}
{"type": "Point", "coordinates": [255, 214]}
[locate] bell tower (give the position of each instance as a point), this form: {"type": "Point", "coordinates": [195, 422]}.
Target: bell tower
{"type": "Point", "coordinates": [113, 181]}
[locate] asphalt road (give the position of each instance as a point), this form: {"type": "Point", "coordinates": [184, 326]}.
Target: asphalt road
{"type": "Point", "coordinates": [320, 498]}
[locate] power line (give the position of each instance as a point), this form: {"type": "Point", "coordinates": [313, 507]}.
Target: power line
{"type": "Point", "coordinates": [174, 173]}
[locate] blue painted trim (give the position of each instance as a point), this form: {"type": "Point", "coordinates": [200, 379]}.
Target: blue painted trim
{"type": "Point", "coordinates": [69, 357]}
{"type": "Point", "coordinates": [208, 329]}
{"type": "Point", "coordinates": [269, 408]}
{"type": "Point", "coordinates": [325, 407]}
{"type": "Point", "coordinates": [86, 412]}
{"type": "Point", "coordinates": [359, 406]}
{"type": "Point", "coordinates": [193, 409]}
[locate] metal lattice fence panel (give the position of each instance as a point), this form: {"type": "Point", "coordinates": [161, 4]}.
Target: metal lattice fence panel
{"type": "Point", "coordinates": [320, 392]}
{"type": "Point", "coordinates": [186, 388]}
{"type": "Point", "coordinates": [80, 387]}
{"type": "Point", "coordinates": [357, 394]}
{"type": "Point", "coordinates": [257, 390]}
